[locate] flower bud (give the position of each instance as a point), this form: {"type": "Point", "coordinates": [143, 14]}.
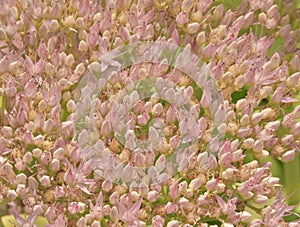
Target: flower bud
{"type": "Point", "coordinates": [260, 199]}
{"type": "Point", "coordinates": [262, 17]}
{"type": "Point", "coordinates": [69, 60]}
{"type": "Point", "coordinates": [106, 209]}
{"type": "Point", "coordinates": [241, 104]}
{"type": "Point", "coordinates": [192, 28]}
{"type": "Point", "coordinates": [54, 25]}
{"type": "Point", "coordinates": [59, 192]}
{"type": "Point", "coordinates": [157, 221]}
{"type": "Point", "coordinates": [228, 174]}
{"type": "Point", "coordinates": [150, 158]}
{"type": "Point", "coordinates": [245, 120]}
{"type": "Point", "coordinates": [152, 196]}
{"type": "Point", "coordinates": [143, 119]}
{"type": "Point", "coordinates": [46, 158]}
{"type": "Point", "coordinates": [124, 34]}
{"type": "Point", "coordinates": [237, 155]}
{"type": "Point", "coordinates": [183, 202]}
{"type": "Point", "coordinates": [50, 213]}
{"type": "Point", "coordinates": [45, 181]}
{"type": "Point", "coordinates": [55, 165]}
{"type": "Point", "coordinates": [59, 153]}
{"type": "Point", "coordinates": [7, 131]}
{"type": "Point", "coordinates": [287, 140]}
{"type": "Point", "coordinates": [11, 194]}
{"type": "Point", "coordinates": [182, 18]}
{"type": "Point", "coordinates": [212, 184]}
{"type": "Point", "coordinates": [73, 208]}
{"type": "Point", "coordinates": [249, 17]}
{"type": "Point", "coordinates": [32, 183]}
{"type": "Point", "coordinates": [288, 120]}
{"type": "Point", "coordinates": [174, 142]}
{"type": "Point", "coordinates": [107, 185]}
{"type": "Point", "coordinates": [114, 213]}
{"type": "Point", "coordinates": [21, 178]}
{"type": "Point", "coordinates": [195, 184]}
{"type": "Point", "coordinates": [258, 146]}
{"type": "Point", "coordinates": [37, 152]}
{"type": "Point", "coordinates": [171, 208]}
{"type": "Point", "coordinates": [262, 154]}
{"type": "Point", "coordinates": [244, 132]}
{"type": "Point", "coordinates": [80, 69]}
{"type": "Point", "coordinates": [248, 143]}
{"type": "Point", "coordinates": [288, 156]}
{"type": "Point", "coordinates": [293, 80]}
{"type": "Point", "coordinates": [256, 118]}
{"type": "Point", "coordinates": [173, 223]}
{"type": "Point", "coordinates": [171, 115]}
{"type": "Point", "coordinates": [265, 92]}
{"type": "Point", "coordinates": [27, 158]}
{"type": "Point", "coordinates": [96, 224]}
{"type": "Point", "coordinates": [240, 81]}
{"type": "Point", "coordinates": [42, 50]}
{"type": "Point", "coordinates": [273, 125]}
{"type": "Point", "coordinates": [48, 125]}
{"type": "Point", "coordinates": [295, 63]}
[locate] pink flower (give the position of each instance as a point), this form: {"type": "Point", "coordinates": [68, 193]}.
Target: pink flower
{"type": "Point", "coordinates": [128, 215]}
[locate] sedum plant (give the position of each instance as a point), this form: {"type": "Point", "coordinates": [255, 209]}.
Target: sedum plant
{"type": "Point", "coordinates": [251, 48]}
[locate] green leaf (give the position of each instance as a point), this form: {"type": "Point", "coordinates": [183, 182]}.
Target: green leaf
{"type": "Point", "coordinates": [237, 95]}
{"type": "Point", "coordinates": [276, 46]}
{"type": "Point", "coordinates": [9, 221]}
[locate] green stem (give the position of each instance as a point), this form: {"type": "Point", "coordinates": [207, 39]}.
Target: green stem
{"type": "Point", "coordinates": [292, 180]}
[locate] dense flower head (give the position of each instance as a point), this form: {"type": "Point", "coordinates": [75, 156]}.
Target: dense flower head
{"type": "Point", "coordinates": [46, 47]}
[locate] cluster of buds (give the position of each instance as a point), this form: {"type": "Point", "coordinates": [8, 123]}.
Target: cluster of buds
{"type": "Point", "coordinates": [87, 177]}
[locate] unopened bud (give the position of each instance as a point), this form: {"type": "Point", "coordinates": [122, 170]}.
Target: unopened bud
{"type": "Point", "coordinates": [241, 104]}
{"type": "Point", "coordinates": [45, 181]}
{"type": "Point", "coordinates": [260, 199]}
{"type": "Point", "coordinates": [288, 156]}
{"type": "Point", "coordinates": [55, 165]}
{"type": "Point", "coordinates": [54, 25]}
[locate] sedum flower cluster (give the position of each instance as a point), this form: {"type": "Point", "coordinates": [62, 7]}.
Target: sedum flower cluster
{"type": "Point", "coordinates": [46, 47]}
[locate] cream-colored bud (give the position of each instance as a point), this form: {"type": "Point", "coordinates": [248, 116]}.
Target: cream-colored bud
{"type": "Point", "coordinates": [82, 34]}
{"type": "Point", "coordinates": [54, 25]}
{"type": "Point", "coordinates": [275, 60]}
{"type": "Point", "coordinates": [97, 17]}
{"type": "Point", "coordinates": [42, 106]}
{"type": "Point", "coordinates": [258, 146]}
{"type": "Point", "coordinates": [200, 38]}
{"type": "Point", "coordinates": [80, 22]}
{"type": "Point", "coordinates": [256, 117]}
{"type": "Point", "coordinates": [248, 143]}
{"type": "Point", "coordinates": [262, 17]}
{"type": "Point", "coordinates": [50, 69]}
{"type": "Point", "coordinates": [66, 96]}
{"type": "Point", "coordinates": [265, 92]}
{"type": "Point", "coordinates": [241, 104]}
{"type": "Point", "coordinates": [293, 80]}
{"type": "Point", "coordinates": [192, 28]}
{"type": "Point", "coordinates": [15, 67]}
{"type": "Point", "coordinates": [83, 47]}
{"type": "Point", "coordinates": [240, 82]}
{"type": "Point", "coordinates": [69, 60]}
{"type": "Point", "coordinates": [80, 69]}
{"type": "Point", "coordinates": [267, 112]}
{"type": "Point", "coordinates": [245, 120]}
{"type": "Point", "coordinates": [263, 154]}
{"type": "Point", "coordinates": [220, 187]}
